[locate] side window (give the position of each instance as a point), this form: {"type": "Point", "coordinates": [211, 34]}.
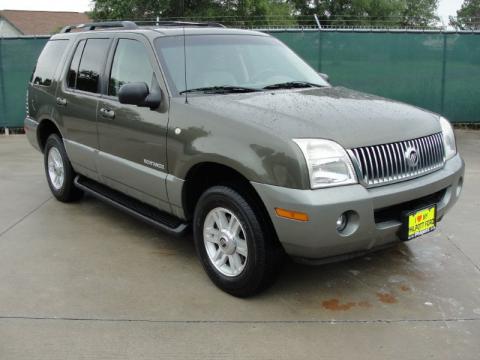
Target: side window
{"type": "Point", "coordinates": [130, 64]}
{"type": "Point", "coordinates": [73, 71]}
{"type": "Point", "coordinates": [91, 65]}
{"type": "Point", "coordinates": [48, 62]}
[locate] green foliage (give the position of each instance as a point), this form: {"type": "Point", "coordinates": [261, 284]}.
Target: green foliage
{"type": "Point", "coordinates": [468, 17]}
{"type": "Point", "coordinates": [276, 12]}
{"type": "Point", "coordinates": [262, 10]}
{"type": "Point", "coordinates": [419, 12]}
{"type": "Point", "coordinates": [128, 9]}
{"type": "Point", "coordinates": [387, 13]}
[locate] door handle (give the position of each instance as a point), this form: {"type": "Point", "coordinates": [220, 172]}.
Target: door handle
{"type": "Point", "coordinates": [107, 113]}
{"type": "Point", "coordinates": [61, 101]}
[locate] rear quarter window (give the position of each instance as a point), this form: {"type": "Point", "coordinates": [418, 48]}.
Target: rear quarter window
{"type": "Point", "coordinates": [48, 62]}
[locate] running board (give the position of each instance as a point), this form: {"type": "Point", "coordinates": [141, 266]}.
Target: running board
{"type": "Point", "coordinates": [138, 209]}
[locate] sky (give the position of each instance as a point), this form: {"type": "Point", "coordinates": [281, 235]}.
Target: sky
{"type": "Point", "coordinates": [446, 8]}
{"type": "Point", "coordinates": [52, 5]}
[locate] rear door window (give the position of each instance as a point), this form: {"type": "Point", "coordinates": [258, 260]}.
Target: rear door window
{"type": "Point", "coordinates": [87, 76]}
{"type": "Point", "coordinates": [48, 62]}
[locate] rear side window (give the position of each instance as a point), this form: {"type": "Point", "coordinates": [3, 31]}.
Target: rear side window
{"type": "Point", "coordinates": [86, 76]}
{"type": "Point", "coordinates": [48, 62]}
{"type": "Point", "coordinates": [130, 64]}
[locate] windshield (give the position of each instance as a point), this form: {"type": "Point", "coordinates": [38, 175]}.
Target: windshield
{"type": "Point", "coordinates": [235, 61]}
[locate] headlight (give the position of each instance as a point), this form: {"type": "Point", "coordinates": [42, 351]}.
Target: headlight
{"type": "Point", "coordinates": [328, 163]}
{"type": "Point", "coordinates": [448, 138]}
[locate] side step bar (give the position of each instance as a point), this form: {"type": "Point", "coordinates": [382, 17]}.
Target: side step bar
{"type": "Point", "coordinates": [138, 209]}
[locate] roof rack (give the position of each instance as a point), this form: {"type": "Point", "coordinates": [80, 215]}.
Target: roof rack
{"type": "Point", "coordinates": [186, 23]}
{"type": "Point", "coordinates": [127, 25]}
{"type": "Point", "coordinates": [130, 25]}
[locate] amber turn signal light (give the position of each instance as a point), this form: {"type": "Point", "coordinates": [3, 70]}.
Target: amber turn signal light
{"type": "Point", "coordinates": [292, 215]}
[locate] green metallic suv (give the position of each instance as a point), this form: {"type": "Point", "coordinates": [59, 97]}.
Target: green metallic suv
{"type": "Point", "coordinates": [230, 133]}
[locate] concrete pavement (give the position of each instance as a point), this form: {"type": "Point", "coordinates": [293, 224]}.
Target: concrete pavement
{"type": "Point", "coordinates": [85, 281]}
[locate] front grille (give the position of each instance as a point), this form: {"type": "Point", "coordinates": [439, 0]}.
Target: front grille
{"type": "Point", "coordinates": [394, 162]}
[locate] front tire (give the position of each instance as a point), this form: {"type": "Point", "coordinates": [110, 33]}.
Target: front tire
{"type": "Point", "coordinates": [59, 171]}
{"type": "Point", "coordinates": [235, 242]}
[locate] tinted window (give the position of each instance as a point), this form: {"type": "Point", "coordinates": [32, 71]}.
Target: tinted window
{"type": "Point", "coordinates": [73, 71]}
{"type": "Point", "coordinates": [130, 64]}
{"type": "Point", "coordinates": [48, 62]}
{"type": "Point", "coordinates": [91, 65]}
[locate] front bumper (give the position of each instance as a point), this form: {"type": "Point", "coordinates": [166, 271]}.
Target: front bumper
{"type": "Point", "coordinates": [369, 228]}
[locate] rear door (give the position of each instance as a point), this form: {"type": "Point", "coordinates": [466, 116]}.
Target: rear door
{"type": "Point", "coordinates": [132, 139]}
{"type": "Point", "coordinates": [77, 100]}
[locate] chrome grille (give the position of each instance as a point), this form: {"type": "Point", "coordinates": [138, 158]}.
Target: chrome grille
{"type": "Point", "coordinates": [394, 162]}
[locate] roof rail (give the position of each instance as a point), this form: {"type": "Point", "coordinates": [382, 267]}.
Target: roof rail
{"type": "Point", "coordinates": [127, 25]}
{"type": "Point", "coordinates": [186, 23]}
{"type": "Point", "coordinates": [130, 25]}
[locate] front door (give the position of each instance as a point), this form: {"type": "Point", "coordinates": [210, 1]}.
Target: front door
{"type": "Point", "coordinates": [132, 139]}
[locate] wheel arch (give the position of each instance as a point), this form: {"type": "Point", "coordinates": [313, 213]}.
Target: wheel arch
{"type": "Point", "coordinates": [204, 175]}
{"type": "Point", "coordinates": [46, 127]}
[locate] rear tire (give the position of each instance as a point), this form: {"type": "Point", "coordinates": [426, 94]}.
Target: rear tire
{"type": "Point", "coordinates": [59, 171]}
{"type": "Point", "coordinates": [235, 242]}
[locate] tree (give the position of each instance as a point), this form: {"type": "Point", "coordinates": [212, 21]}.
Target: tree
{"type": "Point", "coordinates": [468, 17]}
{"type": "Point", "coordinates": [128, 9]}
{"type": "Point", "coordinates": [419, 13]}
{"type": "Point", "coordinates": [238, 12]}
{"type": "Point", "coordinates": [257, 12]}
{"type": "Point", "coordinates": [385, 13]}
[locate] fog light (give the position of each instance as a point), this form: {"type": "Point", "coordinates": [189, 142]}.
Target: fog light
{"type": "Point", "coordinates": [342, 222]}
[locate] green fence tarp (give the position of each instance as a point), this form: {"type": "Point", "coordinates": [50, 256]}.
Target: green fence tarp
{"type": "Point", "coordinates": [462, 78]}
{"type": "Point", "coordinates": [18, 57]}
{"type": "Point", "coordinates": [436, 71]}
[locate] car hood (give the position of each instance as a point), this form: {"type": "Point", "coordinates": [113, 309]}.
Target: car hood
{"type": "Point", "coordinates": [348, 117]}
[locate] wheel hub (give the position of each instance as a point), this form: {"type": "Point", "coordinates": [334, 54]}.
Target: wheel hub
{"type": "Point", "coordinates": [227, 244]}
{"type": "Point", "coordinates": [225, 241]}
{"type": "Point", "coordinates": [56, 170]}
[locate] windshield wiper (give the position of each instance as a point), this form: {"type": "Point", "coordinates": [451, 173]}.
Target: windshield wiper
{"type": "Point", "coordinates": [221, 89]}
{"type": "Point", "coordinates": [292, 85]}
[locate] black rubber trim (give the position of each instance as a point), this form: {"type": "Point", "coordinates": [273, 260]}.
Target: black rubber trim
{"type": "Point", "coordinates": [138, 209]}
{"type": "Point", "coordinates": [343, 257]}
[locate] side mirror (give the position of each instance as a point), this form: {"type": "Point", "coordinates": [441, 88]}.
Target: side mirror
{"type": "Point", "coordinates": [324, 77]}
{"type": "Point", "coordinates": [137, 93]}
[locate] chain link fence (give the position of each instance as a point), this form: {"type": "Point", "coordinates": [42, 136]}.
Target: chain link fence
{"type": "Point", "coordinates": [345, 22]}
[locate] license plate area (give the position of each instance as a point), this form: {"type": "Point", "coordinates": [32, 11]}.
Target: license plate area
{"type": "Point", "coordinates": [419, 222]}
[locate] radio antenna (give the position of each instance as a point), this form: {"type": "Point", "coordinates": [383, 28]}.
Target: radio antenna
{"type": "Point", "coordinates": [185, 65]}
